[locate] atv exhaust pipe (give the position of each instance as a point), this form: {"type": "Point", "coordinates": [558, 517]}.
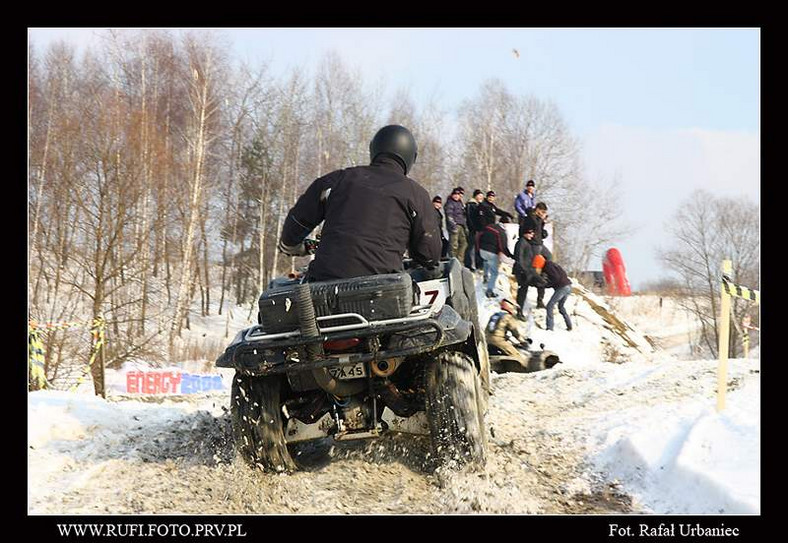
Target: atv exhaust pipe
{"type": "Point", "coordinates": [384, 368]}
{"type": "Point", "coordinates": [307, 324]}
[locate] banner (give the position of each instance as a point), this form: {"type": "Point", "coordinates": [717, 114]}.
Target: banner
{"type": "Point", "coordinates": [170, 382]}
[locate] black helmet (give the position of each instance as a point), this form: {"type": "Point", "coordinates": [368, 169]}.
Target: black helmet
{"type": "Point", "coordinates": [396, 141]}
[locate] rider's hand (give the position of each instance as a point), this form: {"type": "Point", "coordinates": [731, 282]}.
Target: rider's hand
{"type": "Point", "coordinates": [293, 250]}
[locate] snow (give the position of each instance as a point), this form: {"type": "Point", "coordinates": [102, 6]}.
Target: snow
{"type": "Point", "coordinates": [640, 418]}
{"type": "Point", "coordinates": [686, 457]}
{"type": "Point", "coordinates": [674, 457]}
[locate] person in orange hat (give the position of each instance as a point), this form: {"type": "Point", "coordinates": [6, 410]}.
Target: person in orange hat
{"type": "Point", "coordinates": [555, 277]}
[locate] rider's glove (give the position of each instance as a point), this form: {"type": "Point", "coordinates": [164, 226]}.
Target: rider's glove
{"type": "Point", "coordinates": [293, 250]}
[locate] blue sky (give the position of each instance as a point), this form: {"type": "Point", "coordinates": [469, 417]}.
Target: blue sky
{"type": "Point", "coordinates": [664, 110]}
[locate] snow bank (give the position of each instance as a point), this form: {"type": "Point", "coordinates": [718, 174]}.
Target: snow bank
{"type": "Point", "coordinates": [57, 418]}
{"type": "Point", "coordinates": [687, 458]}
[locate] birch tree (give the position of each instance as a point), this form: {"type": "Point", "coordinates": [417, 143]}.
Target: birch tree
{"type": "Point", "coordinates": [204, 73]}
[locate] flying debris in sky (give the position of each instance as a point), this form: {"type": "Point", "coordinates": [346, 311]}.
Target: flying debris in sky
{"type": "Point", "coordinates": [516, 53]}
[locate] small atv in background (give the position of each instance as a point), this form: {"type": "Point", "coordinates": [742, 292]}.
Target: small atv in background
{"type": "Point", "coordinates": [357, 358]}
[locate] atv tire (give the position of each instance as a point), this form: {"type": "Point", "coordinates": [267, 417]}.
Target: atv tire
{"type": "Point", "coordinates": [454, 412]}
{"type": "Point", "coordinates": [257, 422]}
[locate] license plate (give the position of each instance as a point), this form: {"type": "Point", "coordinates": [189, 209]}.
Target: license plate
{"type": "Point", "coordinates": [353, 371]}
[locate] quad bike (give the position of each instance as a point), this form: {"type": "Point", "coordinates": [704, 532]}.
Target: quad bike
{"type": "Point", "coordinates": [357, 358]}
{"type": "Point", "coordinates": [538, 360]}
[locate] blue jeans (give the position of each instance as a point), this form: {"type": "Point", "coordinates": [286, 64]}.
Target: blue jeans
{"type": "Point", "coordinates": [559, 297]}
{"type": "Point", "coordinates": [490, 269]}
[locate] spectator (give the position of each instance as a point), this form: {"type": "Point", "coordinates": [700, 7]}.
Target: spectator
{"type": "Point", "coordinates": [555, 278]}
{"type": "Point", "coordinates": [488, 210]}
{"type": "Point", "coordinates": [539, 215]}
{"type": "Point", "coordinates": [457, 224]}
{"type": "Point", "coordinates": [473, 259]}
{"type": "Point", "coordinates": [524, 202]}
{"type": "Point", "coordinates": [493, 245]}
{"type": "Point", "coordinates": [523, 270]}
{"type": "Point", "coordinates": [437, 203]}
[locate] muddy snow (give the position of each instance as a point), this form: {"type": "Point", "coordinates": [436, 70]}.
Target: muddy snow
{"type": "Point", "coordinates": [610, 430]}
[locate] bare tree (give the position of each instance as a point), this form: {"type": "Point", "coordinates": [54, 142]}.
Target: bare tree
{"type": "Point", "coordinates": [427, 125]}
{"type": "Point", "coordinates": [587, 220]}
{"type": "Point", "coordinates": [245, 93]}
{"type": "Point", "coordinates": [344, 115]}
{"type": "Point", "coordinates": [204, 76]}
{"type": "Point", "coordinates": [481, 121]}
{"type": "Point", "coordinates": [706, 230]}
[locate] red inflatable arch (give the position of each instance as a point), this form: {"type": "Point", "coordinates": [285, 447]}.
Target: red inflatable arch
{"type": "Point", "coordinates": [615, 273]}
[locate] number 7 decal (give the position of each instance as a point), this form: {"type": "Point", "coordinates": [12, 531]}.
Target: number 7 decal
{"type": "Point", "coordinates": [433, 293]}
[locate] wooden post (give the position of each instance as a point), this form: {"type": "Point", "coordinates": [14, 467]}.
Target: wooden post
{"type": "Point", "coordinates": [724, 334]}
{"type": "Point", "coordinates": [103, 361]}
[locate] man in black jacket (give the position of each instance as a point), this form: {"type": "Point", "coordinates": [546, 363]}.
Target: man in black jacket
{"type": "Point", "coordinates": [488, 210]}
{"type": "Point", "coordinates": [539, 216]}
{"type": "Point", "coordinates": [522, 269]}
{"type": "Point", "coordinates": [372, 215]}
{"type": "Point", "coordinates": [473, 259]}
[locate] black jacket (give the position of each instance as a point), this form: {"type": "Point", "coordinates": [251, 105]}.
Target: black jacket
{"type": "Point", "coordinates": [555, 275]}
{"type": "Point", "coordinates": [372, 214]}
{"type": "Point", "coordinates": [494, 240]}
{"type": "Point", "coordinates": [442, 223]}
{"type": "Point", "coordinates": [474, 219]}
{"type": "Point", "coordinates": [522, 269]}
{"type": "Point", "coordinates": [488, 211]}
{"type": "Point", "coordinates": [539, 232]}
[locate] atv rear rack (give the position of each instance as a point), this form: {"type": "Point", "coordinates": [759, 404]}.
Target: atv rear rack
{"type": "Point", "coordinates": [418, 313]}
{"type": "Point", "coordinates": [257, 352]}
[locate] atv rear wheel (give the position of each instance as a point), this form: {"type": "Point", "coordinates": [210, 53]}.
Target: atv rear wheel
{"type": "Point", "coordinates": [453, 410]}
{"type": "Point", "coordinates": [257, 422]}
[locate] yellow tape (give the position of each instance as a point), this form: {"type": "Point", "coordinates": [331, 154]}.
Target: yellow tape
{"type": "Point", "coordinates": [739, 291]}
{"type": "Point", "coordinates": [36, 350]}
{"type": "Point", "coordinates": [38, 376]}
{"type": "Point", "coordinates": [98, 343]}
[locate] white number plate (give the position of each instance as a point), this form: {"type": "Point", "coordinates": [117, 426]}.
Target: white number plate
{"type": "Point", "coordinates": [434, 292]}
{"type": "Point", "coordinates": [353, 371]}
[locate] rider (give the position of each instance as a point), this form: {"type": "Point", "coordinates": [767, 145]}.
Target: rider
{"type": "Point", "coordinates": [498, 326]}
{"type": "Point", "coordinates": [372, 215]}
